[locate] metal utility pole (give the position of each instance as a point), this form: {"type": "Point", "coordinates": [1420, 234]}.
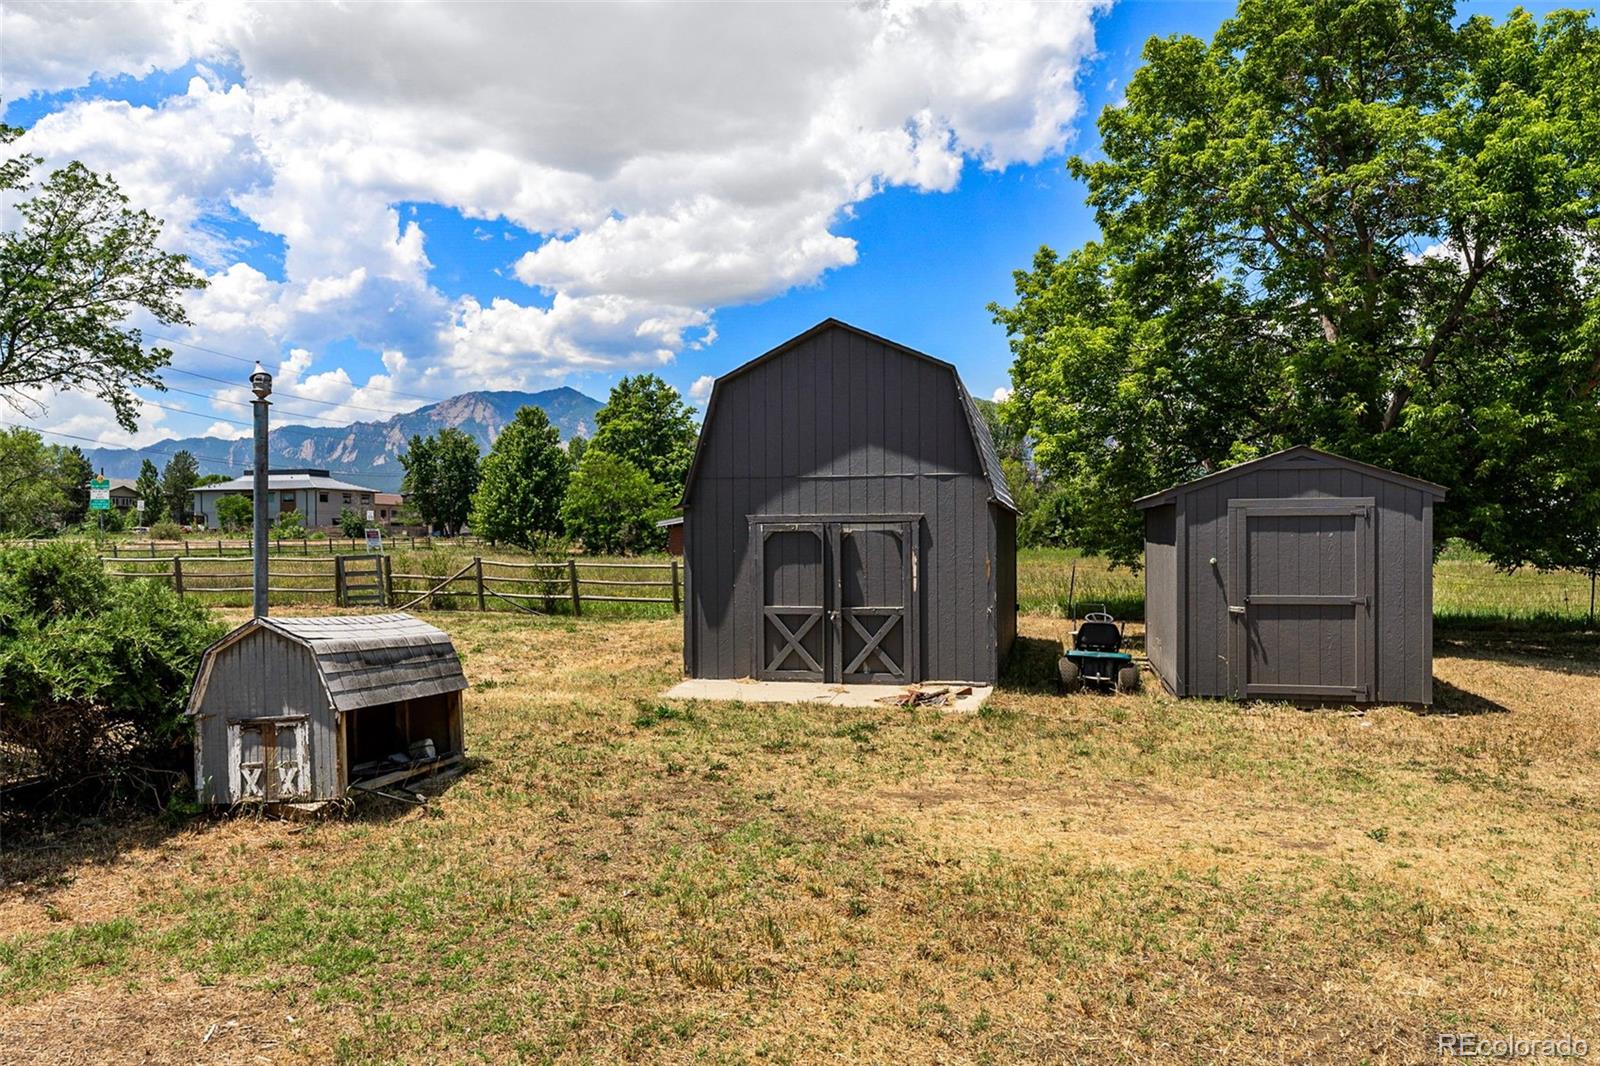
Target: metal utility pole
{"type": "Point", "coordinates": [261, 385]}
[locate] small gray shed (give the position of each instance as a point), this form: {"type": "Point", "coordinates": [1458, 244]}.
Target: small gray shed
{"type": "Point", "coordinates": [301, 709]}
{"type": "Point", "coordinates": [1298, 576]}
{"type": "Point", "coordinates": [846, 519]}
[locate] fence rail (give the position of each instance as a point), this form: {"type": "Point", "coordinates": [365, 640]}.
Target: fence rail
{"type": "Point", "coordinates": [558, 587]}
{"type": "Point", "coordinates": [191, 547]}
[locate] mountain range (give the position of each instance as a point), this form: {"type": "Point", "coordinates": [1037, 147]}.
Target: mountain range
{"type": "Point", "coordinates": [365, 453]}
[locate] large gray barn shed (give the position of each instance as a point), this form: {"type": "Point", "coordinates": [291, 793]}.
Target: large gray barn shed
{"type": "Point", "coordinates": [299, 709]}
{"type": "Point", "coordinates": [846, 519]}
{"type": "Point", "coordinates": [1300, 576]}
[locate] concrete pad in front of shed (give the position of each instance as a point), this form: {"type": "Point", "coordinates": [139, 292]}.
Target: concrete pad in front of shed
{"type": "Point", "coordinates": [827, 695]}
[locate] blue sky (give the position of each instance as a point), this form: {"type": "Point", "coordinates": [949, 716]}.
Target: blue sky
{"type": "Point", "coordinates": [509, 225]}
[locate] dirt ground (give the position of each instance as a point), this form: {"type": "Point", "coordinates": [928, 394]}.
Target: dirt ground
{"type": "Point", "coordinates": [1075, 879]}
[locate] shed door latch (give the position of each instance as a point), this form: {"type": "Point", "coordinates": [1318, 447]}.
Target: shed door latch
{"type": "Point", "coordinates": [1235, 610]}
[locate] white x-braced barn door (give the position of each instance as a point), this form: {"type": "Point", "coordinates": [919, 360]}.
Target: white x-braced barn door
{"type": "Point", "coordinates": [268, 760]}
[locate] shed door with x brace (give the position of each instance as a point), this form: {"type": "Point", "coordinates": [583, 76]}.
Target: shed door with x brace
{"type": "Point", "coordinates": [837, 601]}
{"type": "Point", "coordinates": [1302, 573]}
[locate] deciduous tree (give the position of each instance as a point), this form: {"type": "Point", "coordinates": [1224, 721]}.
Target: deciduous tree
{"type": "Point", "coordinates": [80, 264]}
{"type": "Point", "coordinates": [1348, 223]}
{"type": "Point", "coordinates": [646, 422]}
{"type": "Point", "coordinates": [524, 481]}
{"type": "Point", "coordinates": [441, 476]}
{"type": "Point", "coordinates": [612, 506]}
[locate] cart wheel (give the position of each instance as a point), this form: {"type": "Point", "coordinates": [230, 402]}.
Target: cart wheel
{"type": "Point", "coordinates": [1128, 679]}
{"type": "Point", "coordinates": [1071, 676]}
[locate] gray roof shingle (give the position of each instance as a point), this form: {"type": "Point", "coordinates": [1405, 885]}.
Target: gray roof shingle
{"type": "Point", "coordinates": [367, 659]}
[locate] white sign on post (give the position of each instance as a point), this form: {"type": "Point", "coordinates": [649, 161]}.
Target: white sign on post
{"type": "Point", "coordinates": [374, 540]}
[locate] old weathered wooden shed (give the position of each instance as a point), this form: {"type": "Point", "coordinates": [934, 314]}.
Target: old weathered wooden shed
{"type": "Point", "coordinates": [846, 519]}
{"type": "Point", "coordinates": [1298, 576]}
{"type": "Point", "coordinates": [300, 709]}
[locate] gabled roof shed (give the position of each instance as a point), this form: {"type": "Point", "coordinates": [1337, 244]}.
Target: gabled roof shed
{"type": "Point", "coordinates": [1301, 575]}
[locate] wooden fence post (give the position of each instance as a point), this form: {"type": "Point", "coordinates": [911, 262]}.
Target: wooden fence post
{"type": "Point", "coordinates": [676, 602]}
{"type": "Point", "coordinates": [388, 579]}
{"type": "Point", "coordinates": [572, 579]}
{"type": "Point", "coordinates": [113, 549]}
{"type": "Point", "coordinates": [338, 580]}
{"type": "Point", "coordinates": [177, 575]}
{"type": "Point", "coordinates": [477, 562]}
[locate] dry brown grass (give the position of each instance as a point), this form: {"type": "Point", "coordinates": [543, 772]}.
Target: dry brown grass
{"type": "Point", "coordinates": [1090, 878]}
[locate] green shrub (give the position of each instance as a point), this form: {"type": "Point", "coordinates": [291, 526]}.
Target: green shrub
{"type": "Point", "coordinates": [95, 674]}
{"type": "Point", "coordinates": [288, 526]}
{"type": "Point", "coordinates": [235, 513]}
{"type": "Point", "coordinates": [166, 530]}
{"type": "Point", "coordinates": [352, 524]}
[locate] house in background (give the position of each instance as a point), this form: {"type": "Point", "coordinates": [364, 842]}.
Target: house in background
{"type": "Point", "coordinates": [387, 507]}
{"type": "Point", "coordinates": [124, 497]}
{"type": "Point", "coordinates": [316, 497]}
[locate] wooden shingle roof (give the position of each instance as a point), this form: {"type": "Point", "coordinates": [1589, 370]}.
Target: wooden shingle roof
{"type": "Point", "coordinates": [363, 659]}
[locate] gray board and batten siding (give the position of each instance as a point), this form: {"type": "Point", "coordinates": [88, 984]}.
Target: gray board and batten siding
{"type": "Point", "coordinates": [301, 682]}
{"type": "Point", "coordinates": [846, 519]}
{"type": "Point", "coordinates": [1299, 576]}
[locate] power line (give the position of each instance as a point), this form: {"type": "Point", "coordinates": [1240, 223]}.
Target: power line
{"type": "Point", "coordinates": [246, 403]}
{"type": "Point", "coordinates": [286, 392]}
{"type": "Point", "coordinates": [252, 362]}
{"type": "Point", "coordinates": [229, 463]}
{"type": "Point", "coordinates": [199, 457]}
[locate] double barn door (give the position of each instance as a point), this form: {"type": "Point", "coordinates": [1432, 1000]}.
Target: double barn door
{"type": "Point", "coordinates": [837, 600]}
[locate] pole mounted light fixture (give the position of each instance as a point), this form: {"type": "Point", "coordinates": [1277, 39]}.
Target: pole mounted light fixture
{"type": "Point", "coordinates": [261, 385]}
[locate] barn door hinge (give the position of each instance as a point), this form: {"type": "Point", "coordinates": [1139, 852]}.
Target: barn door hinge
{"type": "Point", "coordinates": [1233, 609]}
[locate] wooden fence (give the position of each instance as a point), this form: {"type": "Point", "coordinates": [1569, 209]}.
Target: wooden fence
{"type": "Point", "coordinates": [481, 584]}
{"type": "Point", "coordinates": [193, 547]}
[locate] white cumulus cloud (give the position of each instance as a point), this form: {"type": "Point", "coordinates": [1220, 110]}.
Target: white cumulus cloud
{"type": "Point", "coordinates": [662, 160]}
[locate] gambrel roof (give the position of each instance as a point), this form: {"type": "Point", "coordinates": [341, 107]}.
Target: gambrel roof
{"type": "Point", "coordinates": [363, 660]}
{"type": "Point", "coordinates": [988, 456]}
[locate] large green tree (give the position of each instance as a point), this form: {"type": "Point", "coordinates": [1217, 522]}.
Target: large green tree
{"type": "Point", "coordinates": [646, 422]}
{"type": "Point", "coordinates": [178, 480]}
{"type": "Point", "coordinates": [441, 476]}
{"type": "Point", "coordinates": [524, 481]}
{"type": "Point", "coordinates": [32, 497]}
{"type": "Point", "coordinates": [1349, 223]}
{"type": "Point", "coordinates": [79, 265]}
{"type": "Point", "coordinates": [75, 472]}
{"type": "Point", "coordinates": [147, 488]}
{"type": "Point", "coordinates": [612, 506]}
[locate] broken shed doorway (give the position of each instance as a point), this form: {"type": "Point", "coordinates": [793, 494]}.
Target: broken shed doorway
{"type": "Point", "coordinates": [838, 599]}
{"type": "Point", "coordinates": [1303, 573]}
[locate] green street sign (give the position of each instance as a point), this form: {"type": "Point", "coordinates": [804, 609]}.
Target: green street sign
{"type": "Point", "coordinates": [100, 494]}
